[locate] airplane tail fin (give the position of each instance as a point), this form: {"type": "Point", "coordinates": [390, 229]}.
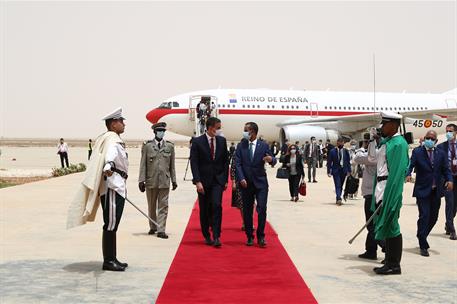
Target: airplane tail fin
{"type": "Point", "coordinates": [451, 92]}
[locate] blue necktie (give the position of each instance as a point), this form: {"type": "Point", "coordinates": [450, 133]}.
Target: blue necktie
{"type": "Point", "coordinates": [251, 156]}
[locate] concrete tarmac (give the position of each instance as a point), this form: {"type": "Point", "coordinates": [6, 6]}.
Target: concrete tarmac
{"type": "Point", "coordinates": [42, 262]}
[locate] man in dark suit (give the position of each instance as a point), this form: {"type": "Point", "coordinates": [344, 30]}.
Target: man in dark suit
{"type": "Point", "coordinates": [209, 163]}
{"type": "Point", "coordinates": [311, 156]}
{"type": "Point", "coordinates": [450, 147]}
{"type": "Point", "coordinates": [251, 156]}
{"type": "Point", "coordinates": [432, 175]}
{"type": "Point", "coordinates": [338, 166]}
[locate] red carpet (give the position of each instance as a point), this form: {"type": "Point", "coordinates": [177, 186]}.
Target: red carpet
{"type": "Point", "coordinates": [233, 273]}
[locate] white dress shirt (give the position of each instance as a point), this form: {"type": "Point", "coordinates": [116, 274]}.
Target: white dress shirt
{"type": "Point", "coordinates": [253, 146]}
{"type": "Point", "coordinates": [63, 148]}
{"type": "Point", "coordinates": [159, 143]}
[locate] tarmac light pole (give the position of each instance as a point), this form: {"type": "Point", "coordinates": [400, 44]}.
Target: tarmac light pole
{"type": "Point", "coordinates": [150, 219]}
{"type": "Point", "coordinates": [366, 224]}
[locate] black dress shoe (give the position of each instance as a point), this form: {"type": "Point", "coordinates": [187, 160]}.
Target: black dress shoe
{"type": "Point", "coordinates": [162, 235]}
{"type": "Point", "coordinates": [151, 232]}
{"type": "Point", "coordinates": [453, 236]}
{"type": "Point", "coordinates": [217, 242]}
{"type": "Point", "coordinates": [250, 242]}
{"type": "Point", "coordinates": [209, 241]}
{"type": "Point", "coordinates": [387, 270]}
{"type": "Point", "coordinates": [424, 252]}
{"type": "Point", "coordinates": [314, 181]}
{"type": "Point", "coordinates": [112, 266]}
{"type": "Point", "coordinates": [368, 256]}
{"type": "Point", "coordinates": [262, 243]}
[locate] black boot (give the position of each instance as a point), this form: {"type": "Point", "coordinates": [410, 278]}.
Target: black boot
{"type": "Point", "coordinates": [393, 256]}
{"type": "Point", "coordinates": [125, 265]}
{"type": "Point", "coordinates": [386, 257]}
{"type": "Point", "coordinates": [109, 258]}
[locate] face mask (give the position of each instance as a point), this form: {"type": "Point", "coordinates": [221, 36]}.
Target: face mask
{"type": "Point", "coordinates": [353, 147]}
{"type": "Point", "coordinates": [428, 143]}
{"type": "Point", "coordinates": [246, 135]}
{"type": "Point", "coordinates": [160, 134]}
{"type": "Point", "coordinates": [293, 151]}
{"type": "Point", "coordinates": [219, 132]}
{"type": "Point", "coordinates": [449, 135]}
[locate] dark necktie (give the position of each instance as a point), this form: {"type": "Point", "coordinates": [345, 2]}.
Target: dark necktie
{"type": "Point", "coordinates": [453, 167]}
{"type": "Point", "coordinates": [251, 157]}
{"type": "Point", "coordinates": [212, 148]}
{"type": "Point", "coordinates": [430, 156]}
{"type": "Point", "coordinates": [160, 144]}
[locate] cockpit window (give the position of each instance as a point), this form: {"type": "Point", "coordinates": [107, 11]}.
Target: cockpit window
{"type": "Point", "coordinates": [165, 105]}
{"type": "Point", "coordinates": [175, 104]}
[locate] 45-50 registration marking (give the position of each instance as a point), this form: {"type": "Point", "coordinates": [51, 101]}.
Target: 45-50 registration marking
{"type": "Point", "coordinates": [427, 123]}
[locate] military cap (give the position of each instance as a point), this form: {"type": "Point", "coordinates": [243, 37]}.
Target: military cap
{"type": "Point", "coordinates": [116, 114]}
{"type": "Point", "coordinates": [160, 126]}
{"type": "Point", "coordinates": [390, 116]}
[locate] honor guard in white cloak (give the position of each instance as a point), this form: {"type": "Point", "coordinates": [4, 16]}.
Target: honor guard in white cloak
{"type": "Point", "coordinates": [105, 184]}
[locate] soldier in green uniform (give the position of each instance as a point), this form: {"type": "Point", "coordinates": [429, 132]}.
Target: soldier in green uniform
{"type": "Point", "coordinates": [157, 168]}
{"type": "Point", "coordinates": [392, 163]}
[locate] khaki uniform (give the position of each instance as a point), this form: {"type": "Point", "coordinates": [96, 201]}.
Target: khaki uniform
{"type": "Point", "coordinates": [157, 168]}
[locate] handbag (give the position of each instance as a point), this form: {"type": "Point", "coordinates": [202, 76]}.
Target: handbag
{"type": "Point", "coordinates": [282, 173]}
{"type": "Point", "coordinates": [302, 188]}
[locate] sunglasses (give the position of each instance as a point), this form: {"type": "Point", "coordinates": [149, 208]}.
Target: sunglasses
{"type": "Point", "coordinates": [432, 138]}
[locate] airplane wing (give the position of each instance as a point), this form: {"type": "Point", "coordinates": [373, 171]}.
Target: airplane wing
{"type": "Point", "coordinates": [362, 118]}
{"type": "Point", "coordinates": [374, 118]}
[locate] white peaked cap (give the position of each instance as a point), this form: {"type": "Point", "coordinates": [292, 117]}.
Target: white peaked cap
{"type": "Point", "coordinates": [116, 114]}
{"type": "Point", "coordinates": [390, 116]}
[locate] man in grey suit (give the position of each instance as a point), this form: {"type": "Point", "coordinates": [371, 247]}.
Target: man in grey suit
{"type": "Point", "coordinates": [311, 156]}
{"type": "Point", "coordinates": [157, 168]}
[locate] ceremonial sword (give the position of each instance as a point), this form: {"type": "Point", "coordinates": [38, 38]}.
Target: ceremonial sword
{"type": "Point", "coordinates": [366, 224]}
{"type": "Point", "coordinates": [150, 219]}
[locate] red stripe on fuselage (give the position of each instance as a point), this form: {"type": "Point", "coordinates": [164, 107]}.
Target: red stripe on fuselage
{"type": "Point", "coordinates": [155, 115]}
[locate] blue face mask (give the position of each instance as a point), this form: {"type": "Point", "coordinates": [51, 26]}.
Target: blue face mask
{"type": "Point", "coordinates": [428, 143]}
{"type": "Point", "coordinates": [449, 135]}
{"type": "Point", "coordinates": [160, 134]}
{"type": "Point", "coordinates": [246, 135]}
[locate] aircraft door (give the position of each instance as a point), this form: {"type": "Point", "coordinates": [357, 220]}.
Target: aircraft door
{"type": "Point", "coordinates": [201, 107]}
{"type": "Point", "coordinates": [314, 110]}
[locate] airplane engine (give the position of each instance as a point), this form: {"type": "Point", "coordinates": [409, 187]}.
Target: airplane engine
{"type": "Point", "coordinates": [303, 133]}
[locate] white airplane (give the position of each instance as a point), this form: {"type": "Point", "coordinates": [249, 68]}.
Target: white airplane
{"type": "Point", "coordinates": [298, 115]}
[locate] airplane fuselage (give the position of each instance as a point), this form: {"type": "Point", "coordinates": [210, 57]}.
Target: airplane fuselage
{"type": "Point", "coordinates": [268, 108]}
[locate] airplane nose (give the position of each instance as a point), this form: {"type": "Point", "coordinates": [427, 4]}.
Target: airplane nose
{"type": "Point", "coordinates": [155, 115]}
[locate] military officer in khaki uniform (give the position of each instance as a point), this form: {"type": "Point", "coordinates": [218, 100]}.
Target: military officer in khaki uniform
{"type": "Point", "coordinates": [157, 167]}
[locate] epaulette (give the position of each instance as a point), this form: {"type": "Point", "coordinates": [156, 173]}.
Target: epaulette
{"type": "Point", "coordinates": [147, 142]}
{"type": "Point", "coordinates": [170, 142]}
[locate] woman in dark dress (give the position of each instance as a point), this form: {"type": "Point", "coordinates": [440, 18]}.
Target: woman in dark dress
{"type": "Point", "coordinates": [294, 164]}
{"type": "Point", "coordinates": [236, 192]}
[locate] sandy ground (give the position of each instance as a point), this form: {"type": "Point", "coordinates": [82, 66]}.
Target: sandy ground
{"type": "Point", "coordinates": [42, 262]}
